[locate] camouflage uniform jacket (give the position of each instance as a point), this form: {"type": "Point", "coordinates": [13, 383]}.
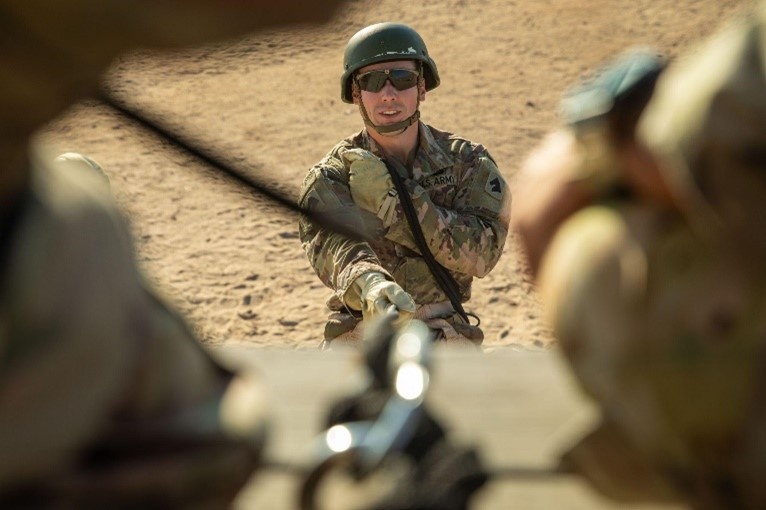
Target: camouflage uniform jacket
{"type": "Point", "coordinates": [462, 202]}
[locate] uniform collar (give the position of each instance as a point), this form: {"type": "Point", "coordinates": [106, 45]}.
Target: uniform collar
{"type": "Point", "coordinates": [430, 157]}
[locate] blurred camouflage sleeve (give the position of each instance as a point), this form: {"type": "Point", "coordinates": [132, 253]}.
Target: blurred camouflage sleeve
{"type": "Point", "coordinates": [91, 359]}
{"type": "Point", "coordinates": [336, 259]}
{"type": "Point", "coordinates": [467, 237]}
{"type": "Point", "coordinates": [707, 124]}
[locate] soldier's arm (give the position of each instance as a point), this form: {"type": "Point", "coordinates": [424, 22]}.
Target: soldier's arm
{"type": "Point", "coordinates": [336, 259]}
{"type": "Point", "coordinates": [596, 156]}
{"type": "Point", "coordinates": [469, 237]}
{"type": "Point", "coordinates": [548, 193]}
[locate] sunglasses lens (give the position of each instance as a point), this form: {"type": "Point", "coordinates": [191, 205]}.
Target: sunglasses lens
{"type": "Point", "coordinates": [372, 81]}
{"type": "Point", "coordinates": [401, 79]}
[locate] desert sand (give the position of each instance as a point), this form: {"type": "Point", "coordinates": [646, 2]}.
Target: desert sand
{"type": "Point", "coordinates": [270, 105]}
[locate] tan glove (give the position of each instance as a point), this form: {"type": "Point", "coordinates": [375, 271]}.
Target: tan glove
{"type": "Point", "coordinates": [375, 294]}
{"type": "Point", "coordinates": [371, 186]}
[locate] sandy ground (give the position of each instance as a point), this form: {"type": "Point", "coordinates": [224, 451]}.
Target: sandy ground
{"type": "Point", "coordinates": [270, 104]}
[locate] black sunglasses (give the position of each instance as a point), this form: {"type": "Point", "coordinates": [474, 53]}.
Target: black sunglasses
{"type": "Point", "coordinates": [401, 79]}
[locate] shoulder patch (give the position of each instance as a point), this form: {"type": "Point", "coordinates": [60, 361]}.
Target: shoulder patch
{"type": "Point", "coordinates": [489, 189]}
{"type": "Point", "coordinates": [494, 187]}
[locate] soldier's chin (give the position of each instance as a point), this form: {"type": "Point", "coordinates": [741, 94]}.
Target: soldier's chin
{"type": "Point", "coordinates": [388, 121]}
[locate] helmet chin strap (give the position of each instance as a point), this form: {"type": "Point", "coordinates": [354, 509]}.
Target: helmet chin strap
{"type": "Point", "coordinates": [397, 127]}
{"type": "Point", "coordinates": [391, 129]}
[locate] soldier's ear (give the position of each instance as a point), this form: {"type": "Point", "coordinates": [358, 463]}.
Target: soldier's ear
{"type": "Point", "coordinates": [421, 89]}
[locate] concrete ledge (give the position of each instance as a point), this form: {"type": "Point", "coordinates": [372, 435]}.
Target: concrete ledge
{"type": "Point", "coordinates": [519, 408]}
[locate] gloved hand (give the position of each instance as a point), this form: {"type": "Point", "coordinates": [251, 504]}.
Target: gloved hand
{"type": "Point", "coordinates": [371, 186]}
{"type": "Point", "coordinates": [376, 294]}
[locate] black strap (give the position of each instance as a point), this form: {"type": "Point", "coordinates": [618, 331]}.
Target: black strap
{"type": "Point", "coordinates": [443, 277]}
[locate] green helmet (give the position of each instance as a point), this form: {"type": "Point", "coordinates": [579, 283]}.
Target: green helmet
{"type": "Point", "coordinates": [384, 42]}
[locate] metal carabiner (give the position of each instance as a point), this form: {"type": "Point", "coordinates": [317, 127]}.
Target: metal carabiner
{"type": "Point", "coordinates": [361, 447]}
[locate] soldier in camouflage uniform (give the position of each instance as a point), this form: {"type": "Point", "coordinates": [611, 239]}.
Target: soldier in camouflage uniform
{"type": "Point", "coordinates": [461, 199]}
{"type": "Point", "coordinates": [658, 296]}
{"type": "Point", "coordinates": [106, 398]}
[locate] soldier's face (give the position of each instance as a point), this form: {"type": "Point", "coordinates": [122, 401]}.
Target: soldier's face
{"type": "Point", "coordinates": [390, 105]}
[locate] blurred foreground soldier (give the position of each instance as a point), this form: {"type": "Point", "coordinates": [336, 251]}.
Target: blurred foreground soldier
{"type": "Point", "coordinates": [106, 398]}
{"type": "Point", "coordinates": [649, 247]}
{"type": "Point", "coordinates": [458, 199]}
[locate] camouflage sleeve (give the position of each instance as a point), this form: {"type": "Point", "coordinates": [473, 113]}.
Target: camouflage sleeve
{"type": "Point", "coordinates": [469, 236]}
{"type": "Point", "coordinates": [712, 153]}
{"type": "Point", "coordinates": [89, 356]}
{"type": "Point", "coordinates": [336, 259]}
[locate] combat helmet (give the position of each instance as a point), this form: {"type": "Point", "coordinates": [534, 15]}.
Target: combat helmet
{"type": "Point", "coordinates": [384, 42]}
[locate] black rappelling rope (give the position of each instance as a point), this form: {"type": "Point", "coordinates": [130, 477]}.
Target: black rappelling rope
{"type": "Point", "coordinates": [239, 176]}
{"type": "Point", "coordinates": [443, 278]}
